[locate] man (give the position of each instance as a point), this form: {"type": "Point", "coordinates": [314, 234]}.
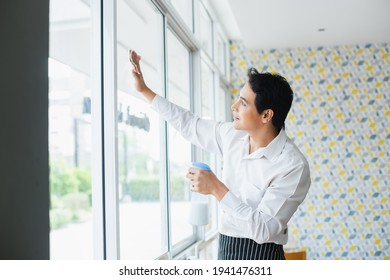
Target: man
{"type": "Point", "coordinates": [265, 177]}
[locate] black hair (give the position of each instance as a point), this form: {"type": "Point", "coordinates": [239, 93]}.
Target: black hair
{"type": "Point", "coordinates": [272, 92]}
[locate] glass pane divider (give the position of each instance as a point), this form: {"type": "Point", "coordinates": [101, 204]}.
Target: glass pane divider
{"type": "Point", "coordinates": [165, 194]}
{"type": "Point", "coordinates": [97, 140]}
{"type": "Point", "coordinates": [110, 131]}
{"type": "Point", "coordinates": [164, 191]}
{"type": "Point", "coordinates": [177, 25]}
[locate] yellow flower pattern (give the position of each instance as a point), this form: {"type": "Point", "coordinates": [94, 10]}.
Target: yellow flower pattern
{"type": "Point", "coordinates": [340, 119]}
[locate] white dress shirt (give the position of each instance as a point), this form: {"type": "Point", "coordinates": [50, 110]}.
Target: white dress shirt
{"type": "Point", "coordinates": [265, 187]}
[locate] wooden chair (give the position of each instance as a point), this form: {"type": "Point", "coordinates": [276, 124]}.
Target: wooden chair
{"type": "Point", "coordinates": [295, 255]}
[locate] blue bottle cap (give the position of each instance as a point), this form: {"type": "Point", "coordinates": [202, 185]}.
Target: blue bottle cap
{"type": "Point", "coordinates": [201, 165]}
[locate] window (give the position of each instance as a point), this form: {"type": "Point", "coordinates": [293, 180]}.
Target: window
{"type": "Point", "coordinates": [70, 130]}
{"type": "Point", "coordinates": [207, 91]}
{"type": "Point", "coordinates": [141, 181]}
{"type": "Point", "coordinates": [222, 107]}
{"type": "Point", "coordinates": [179, 148]}
{"type": "Point", "coordinates": [208, 112]}
{"type": "Point", "coordinates": [185, 10]}
{"type": "Point", "coordinates": [117, 170]}
{"type": "Point", "coordinates": [221, 57]}
{"type": "Point", "coordinates": [206, 30]}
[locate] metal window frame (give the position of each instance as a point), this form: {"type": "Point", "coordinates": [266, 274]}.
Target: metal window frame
{"type": "Point", "coordinates": [165, 196]}
{"type": "Point", "coordinates": [191, 39]}
{"type": "Point", "coordinates": [97, 116]}
{"type": "Point", "coordinates": [176, 25]}
{"type": "Point", "coordinates": [110, 131]}
{"type": "Point", "coordinates": [183, 244]}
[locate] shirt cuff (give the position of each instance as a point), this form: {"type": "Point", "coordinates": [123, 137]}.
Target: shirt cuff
{"type": "Point", "coordinates": [157, 103]}
{"type": "Point", "coordinates": [230, 202]}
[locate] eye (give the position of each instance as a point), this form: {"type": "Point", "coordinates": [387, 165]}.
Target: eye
{"type": "Point", "coordinates": [243, 103]}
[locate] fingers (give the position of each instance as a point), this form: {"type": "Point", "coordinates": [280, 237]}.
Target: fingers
{"type": "Point", "coordinates": [191, 176]}
{"type": "Point", "coordinates": [134, 60]}
{"type": "Point", "coordinates": [134, 56]}
{"type": "Point", "coordinates": [192, 173]}
{"type": "Point", "coordinates": [200, 180]}
{"type": "Point", "coordinates": [194, 188]}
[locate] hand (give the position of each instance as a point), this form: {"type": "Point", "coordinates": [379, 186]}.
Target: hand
{"type": "Point", "coordinates": [205, 182]}
{"type": "Point", "coordinates": [139, 82]}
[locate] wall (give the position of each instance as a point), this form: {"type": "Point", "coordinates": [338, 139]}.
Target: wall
{"type": "Point", "coordinates": [340, 119]}
{"type": "Point", "coordinates": [24, 172]}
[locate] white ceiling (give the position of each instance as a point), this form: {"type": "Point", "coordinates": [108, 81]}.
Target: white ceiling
{"type": "Point", "coordinates": [264, 24]}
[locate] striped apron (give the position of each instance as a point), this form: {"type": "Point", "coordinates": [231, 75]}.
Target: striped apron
{"type": "Point", "coordinates": [237, 248]}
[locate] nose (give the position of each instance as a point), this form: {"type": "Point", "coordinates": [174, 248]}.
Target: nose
{"type": "Point", "coordinates": [234, 106]}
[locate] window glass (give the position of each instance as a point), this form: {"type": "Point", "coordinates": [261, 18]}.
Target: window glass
{"type": "Point", "coordinates": [71, 235]}
{"type": "Point", "coordinates": [179, 148]}
{"type": "Point", "coordinates": [185, 10]}
{"type": "Point", "coordinates": [220, 115]}
{"type": "Point", "coordinates": [221, 54]}
{"type": "Point", "coordinates": [207, 91]}
{"type": "Point", "coordinates": [207, 112]}
{"type": "Point", "coordinates": [206, 30]}
{"type": "Point", "coordinates": [221, 105]}
{"type": "Point", "coordinates": [141, 204]}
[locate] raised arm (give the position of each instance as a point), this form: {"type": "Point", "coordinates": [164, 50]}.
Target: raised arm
{"type": "Point", "coordinates": [139, 81]}
{"type": "Point", "coordinates": [206, 134]}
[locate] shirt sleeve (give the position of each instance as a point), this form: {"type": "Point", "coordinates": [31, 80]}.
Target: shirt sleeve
{"type": "Point", "coordinates": [280, 201]}
{"type": "Point", "coordinates": [206, 134]}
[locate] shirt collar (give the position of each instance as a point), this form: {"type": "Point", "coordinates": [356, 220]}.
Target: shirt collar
{"type": "Point", "coordinates": [273, 149]}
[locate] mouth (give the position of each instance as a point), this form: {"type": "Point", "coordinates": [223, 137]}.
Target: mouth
{"type": "Point", "coordinates": [235, 118]}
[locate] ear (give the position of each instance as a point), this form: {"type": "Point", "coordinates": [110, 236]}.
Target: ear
{"type": "Point", "coordinates": [267, 116]}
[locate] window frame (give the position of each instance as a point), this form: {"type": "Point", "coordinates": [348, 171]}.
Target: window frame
{"type": "Point", "coordinates": [110, 131]}
{"type": "Point", "coordinates": [98, 203]}
{"type": "Point", "coordinates": [184, 243]}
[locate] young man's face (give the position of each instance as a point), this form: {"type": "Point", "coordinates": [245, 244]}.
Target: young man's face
{"type": "Point", "coordinates": [244, 111]}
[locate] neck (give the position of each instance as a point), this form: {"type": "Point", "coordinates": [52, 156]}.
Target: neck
{"type": "Point", "coordinates": [261, 138]}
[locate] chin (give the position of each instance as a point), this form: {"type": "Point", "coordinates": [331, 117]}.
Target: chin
{"type": "Point", "coordinates": [236, 126]}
